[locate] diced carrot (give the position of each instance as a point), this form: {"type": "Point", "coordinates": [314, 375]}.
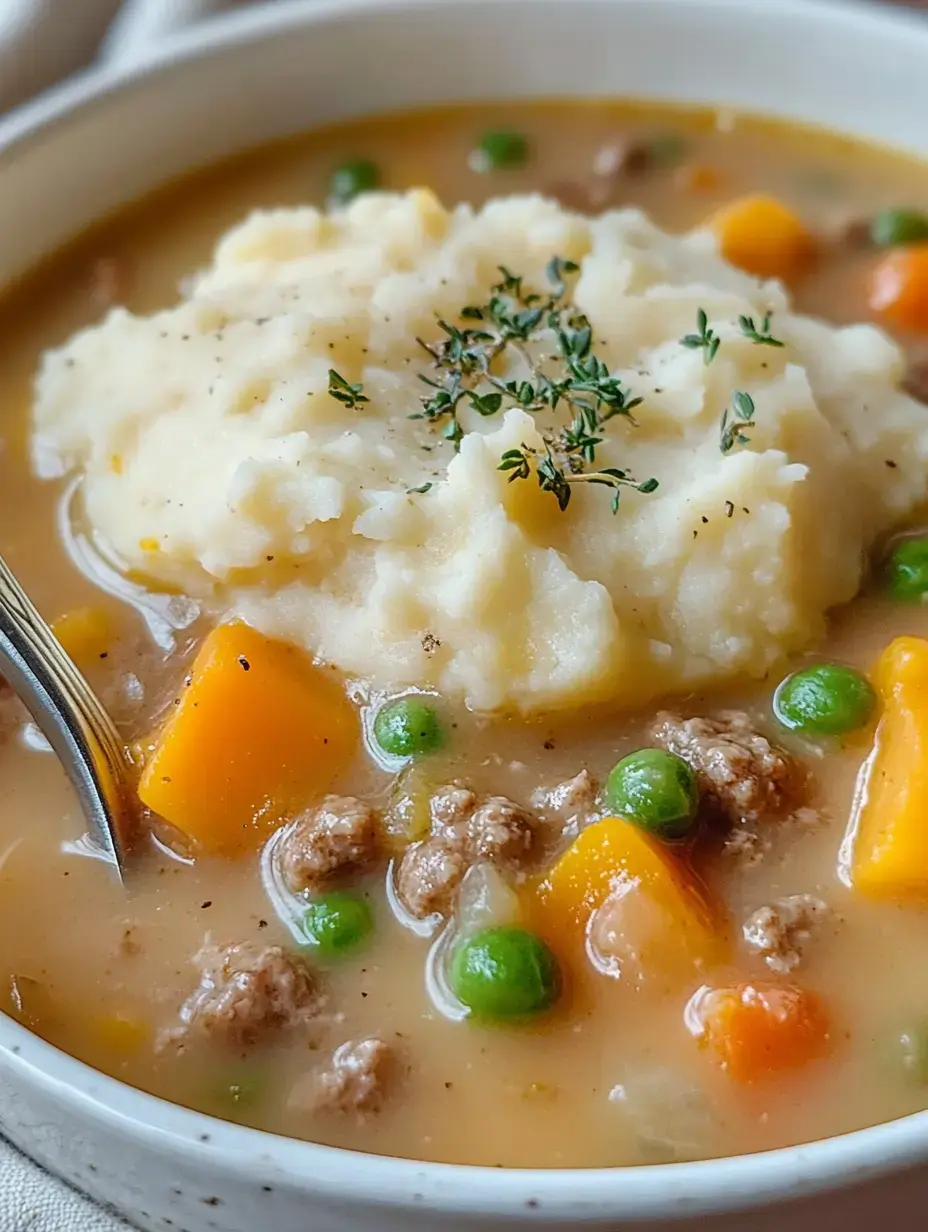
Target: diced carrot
{"type": "Point", "coordinates": [889, 854]}
{"type": "Point", "coordinates": [698, 177]}
{"type": "Point", "coordinates": [762, 236]}
{"type": "Point", "coordinates": [258, 732]}
{"type": "Point", "coordinates": [760, 1029]}
{"type": "Point", "coordinates": [899, 288]}
{"type": "Point", "coordinates": [84, 632]}
{"type": "Point", "coordinates": [663, 913]}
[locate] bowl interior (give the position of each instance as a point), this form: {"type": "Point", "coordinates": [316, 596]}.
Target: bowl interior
{"type": "Point", "coordinates": [79, 154]}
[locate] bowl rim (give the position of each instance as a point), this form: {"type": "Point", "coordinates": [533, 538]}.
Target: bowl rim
{"type": "Point", "coordinates": [674, 1190]}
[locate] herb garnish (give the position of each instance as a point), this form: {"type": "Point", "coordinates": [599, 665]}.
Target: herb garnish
{"type": "Point", "coordinates": [736, 420]}
{"type": "Point", "coordinates": [343, 391]}
{"type": "Point", "coordinates": [509, 321]}
{"type": "Point", "coordinates": [705, 339]}
{"type": "Point", "coordinates": [762, 336]}
{"type": "Point", "coordinates": [423, 487]}
{"type": "Point", "coordinates": [557, 479]}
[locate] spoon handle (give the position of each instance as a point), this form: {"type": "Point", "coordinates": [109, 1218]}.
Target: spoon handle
{"type": "Point", "coordinates": [69, 715]}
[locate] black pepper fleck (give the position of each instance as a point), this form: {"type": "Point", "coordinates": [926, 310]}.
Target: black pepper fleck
{"type": "Point", "coordinates": [246, 666]}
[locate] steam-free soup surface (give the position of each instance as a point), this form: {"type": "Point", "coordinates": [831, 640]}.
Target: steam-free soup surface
{"type": "Point", "coordinates": [613, 1074]}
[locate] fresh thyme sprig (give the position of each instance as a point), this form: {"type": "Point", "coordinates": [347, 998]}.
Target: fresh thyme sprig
{"type": "Point", "coordinates": [557, 479]}
{"type": "Point", "coordinates": [737, 418]}
{"type": "Point", "coordinates": [762, 336]}
{"type": "Point", "coordinates": [581, 380]}
{"type": "Point", "coordinates": [343, 391]}
{"type": "Point", "coordinates": [705, 339]}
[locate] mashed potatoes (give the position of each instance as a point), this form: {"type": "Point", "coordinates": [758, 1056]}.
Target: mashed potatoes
{"type": "Point", "coordinates": [215, 456]}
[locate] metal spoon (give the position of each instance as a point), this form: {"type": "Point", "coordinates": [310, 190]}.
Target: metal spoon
{"type": "Point", "coordinates": [70, 716]}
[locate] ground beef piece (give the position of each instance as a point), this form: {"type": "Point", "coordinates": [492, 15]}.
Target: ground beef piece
{"type": "Point", "coordinates": [739, 770]}
{"type": "Point", "coordinates": [572, 798]}
{"type": "Point", "coordinates": [450, 809]}
{"type": "Point", "coordinates": [916, 375]}
{"type": "Point", "coordinates": [501, 832]}
{"type": "Point", "coordinates": [339, 835]}
{"type": "Point", "coordinates": [847, 230]}
{"type": "Point", "coordinates": [429, 875]}
{"type": "Point", "coordinates": [244, 991]}
{"type": "Point", "coordinates": [356, 1080]}
{"type": "Point", "coordinates": [463, 832]}
{"type": "Point", "coordinates": [612, 163]}
{"type": "Point", "coordinates": [779, 931]}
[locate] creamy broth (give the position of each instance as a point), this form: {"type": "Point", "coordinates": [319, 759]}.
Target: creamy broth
{"type": "Point", "coordinates": [99, 969]}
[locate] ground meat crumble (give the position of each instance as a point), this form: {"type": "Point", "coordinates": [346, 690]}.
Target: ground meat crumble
{"type": "Point", "coordinates": [244, 991]}
{"type": "Point", "coordinates": [739, 771]}
{"type": "Point", "coordinates": [574, 798]}
{"type": "Point", "coordinates": [780, 931]}
{"type": "Point", "coordinates": [356, 1080]}
{"type": "Point", "coordinates": [464, 831]}
{"type": "Point", "coordinates": [335, 837]}
{"type": "Point", "coordinates": [428, 876]}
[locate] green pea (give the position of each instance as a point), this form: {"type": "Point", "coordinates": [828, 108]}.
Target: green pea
{"type": "Point", "coordinates": [908, 570]}
{"type": "Point", "coordinates": [500, 149]}
{"type": "Point", "coordinates": [825, 700]}
{"type": "Point", "coordinates": [909, 1053]}
{"type": "Point", "coordinates": [666, 150]}
{"type": "Point", "coordinates": [336, 923]}
{"type": "Point", "coordinates": [351, 178]}
{"type": "Point", "coordinates": [505, 974]}
{"type": "Point", "coordinates": [656, 790]}
{"type": "Point", "coordinates": [893, 228]}
{"type": "Point", "coordinates": [407, 727]}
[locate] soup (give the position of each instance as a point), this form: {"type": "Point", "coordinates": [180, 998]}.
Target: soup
{"type": "Point", "coordinates": [479, 822]}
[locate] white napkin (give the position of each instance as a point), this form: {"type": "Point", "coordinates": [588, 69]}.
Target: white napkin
{"type": "Point", "coordinates": [42, 41]}
{"type": "Point", "coordinates": [33, 1201]}
{"type": "Point", "coordinates": [140, 22]}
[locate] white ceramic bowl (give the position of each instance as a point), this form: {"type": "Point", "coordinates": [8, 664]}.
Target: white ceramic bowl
{"type": "Point", "coordinates": [89, 147]}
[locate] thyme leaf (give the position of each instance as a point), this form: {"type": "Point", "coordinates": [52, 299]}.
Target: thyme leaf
{"type": "Point", "coordinates": [343, 391]}
{"type": "Point", "coordinates": [557, 479]}
{"type": "Point", "coordinates": [737, 418]}
{"type": "Point", "coordinates": [762, 336]}
{"type": "Point", "coordinates": [705, 339]}
{"type": "Point", "coordinates": [580, 380]}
